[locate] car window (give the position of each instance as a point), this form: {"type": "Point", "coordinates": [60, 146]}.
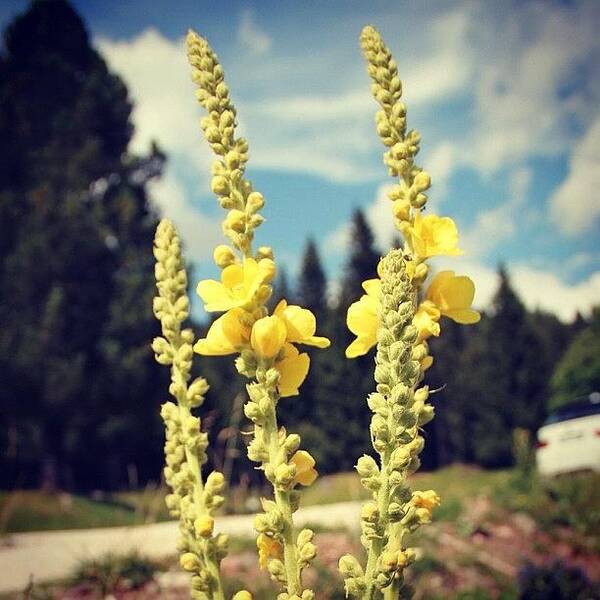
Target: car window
{"type": "Point", "coordinates": [573, 411]}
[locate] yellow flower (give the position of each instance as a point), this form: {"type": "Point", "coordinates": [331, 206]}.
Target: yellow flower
{"type": "Point", "coordinates": [268, 547]}
{"type": "Point", "coordinates": [242, 595]}
{"type": "Point", "coordinates": [363, 321]}
{"type": "Point", "coordinates": [426, 362]}
{"type": "Point", "coordinates": [268, 336]}
{"type": "Point", "coordinates": [434, 236]}
{"type": "Point", "coordinates": [239, 285]}
{"type": "Point", "coordinates": [226, 335]}
{"type": "Point", "coordinates": [305, 467]}
{"type": "Point", "coordinates": [426, 320]}
{"type": "Point", "coordinates": [428, 499]}
{"type": "Point", "coordinates": [300, 324]}
{"type": "Point", "coordinates": [453, 296]}
{"type": "Point", "coordinates": [293, 369]}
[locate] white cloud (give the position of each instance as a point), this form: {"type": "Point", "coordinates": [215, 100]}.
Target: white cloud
{"type": "Point", "coordinates": [250, 36]}
{"type": "Point", "coordinates": [523, 103]}
{"type": "Point", "coordinates": [537, 288]}
{"type": "Point", "coordinates": [575, 204]}
{"type": "Point", "coordinates": [165, 109]}
{"type": "Point", "coordinates": [199, 233]}
{"type": "Point", "coordinates": [379, 217]}
{"type": "Point", "coordinates": [157, 76]}
{"type": "Point", "coordinates": [440, 163]}
{"type": "Point", "coordinates": [494, 226]}
{"type": "Point", "coordinates": [544, 290]}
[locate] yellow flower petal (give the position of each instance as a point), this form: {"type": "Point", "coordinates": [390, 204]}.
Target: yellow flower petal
{"type": "Point", "coordinates": [305, 471]}
{"type": "Point", "coordinates": [362, 321]}
{"type": "Point", "coordinates": [359, 347]}
{"type": "Point", "coordinates": [225, 336]}
{"type": "Point", "coordinates": [239, 285]}
{"type": "Point", "coordinates": [268, 336]}
{"type": "Point", "coordinates": [426, 320]}
{"type": "Point", "coordinates": [464, 316]}
{"type": "Point", "coordinates": [453, 295]}
{"type": "Point", "coordinates": [293, 369]}
{"type": "Point", "coordinates": [267, 548]}
{"type": "Point", "coordinates": [233, 275]}
{"type": "Point", "coordinates": [215, 295]}
{"type": "Point", "coordinates": [301, 325]}
{"type": "Point", "coordinates": [372, 287]}
{"type": "Point", "coordinates": [434, 236]}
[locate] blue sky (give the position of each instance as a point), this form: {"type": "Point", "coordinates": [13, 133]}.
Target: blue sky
{"type": "Point", "coordinates": [506, 96]}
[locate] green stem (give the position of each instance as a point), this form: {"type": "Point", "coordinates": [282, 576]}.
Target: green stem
{"type": "Point", "coordinates": [282, 499]}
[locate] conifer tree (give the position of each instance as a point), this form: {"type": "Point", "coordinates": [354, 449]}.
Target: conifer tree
{"type": "Point", "coordinates": [312, 284]}
{"type": "Point", "coordinates": [343, 385]}
{"type": "Point", "coordinates": [577, 373]}
{"type": "Point", "coordinates": [76, 276]}
{"type": "Point", "coordinates": [511, 385]}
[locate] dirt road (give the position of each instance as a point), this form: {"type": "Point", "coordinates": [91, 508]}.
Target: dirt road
{"type": "Point", "coordinates": [51, 555]}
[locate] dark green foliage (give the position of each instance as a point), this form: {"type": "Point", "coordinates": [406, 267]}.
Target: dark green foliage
{"type": "Point", "coordinates": [112, 573]}
{"type": "Point", "coordinates": [556, 582]}
{"type": "Point", "coordinates": [312, 285]}
{"type": "Point", "coordinates": [76, 280]}
{"type": "Point", "coordinates": [578, 372]}
{"type": "Point", "coordinates": [344, 384]}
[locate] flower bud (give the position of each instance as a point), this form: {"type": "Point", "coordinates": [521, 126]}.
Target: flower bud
{"type": "Point", "coordinates": [369, 512]}
{"type": "Point", "coordinates": [204, 526]}
{"type": "Point", "coordinates": [264, 252]}
{"type": "Point", "coordinates": [268, 336]}
{"type": "Point", "coordinates": [255, 201]}
{"type": "Point", "coordinates": [349, 566]}
{"type": "Point", "coordinates": [401, 209]}
{"type": "Point", "coordinates": [422, 181]}
{"type": "Point", "coordinates": [292, 443]}
{"type": "Point", "coordinates": [219, 185]}
{"type": "Point", "coordinates": [189, 562]}
{"type": "Point", "coordinates": [215, 482]}
{"type": "Point", "coordinates": [223, 256]}
{"type": "Point", "coordinates": [308, 551]}
{"type": "Point", "coordinates": [366, 466]}
{"type": "Point", "coordinates": [235, 220]}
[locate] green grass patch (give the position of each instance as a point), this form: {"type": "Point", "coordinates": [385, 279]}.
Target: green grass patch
{"type": "Point", "coordinates": [36, 511]}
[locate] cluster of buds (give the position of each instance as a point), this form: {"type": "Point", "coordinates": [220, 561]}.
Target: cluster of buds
{"type": "Point", "coordinates": [234, 192]}
{"type": "Point", "coordinates": [191, 500]}
{"type": "Point", "coordinates": [265, 344]}
{"type": "Point", "coordinates": [390, 316]}
{"type": "Point", "coordinates": [399, 410]}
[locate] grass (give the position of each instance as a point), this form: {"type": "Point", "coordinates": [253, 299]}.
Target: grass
{"type": "Point", "coordinates": [572, 501]}
{"type": "Point", "coordinates": [35, 511]}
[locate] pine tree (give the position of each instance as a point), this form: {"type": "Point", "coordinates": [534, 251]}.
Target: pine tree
{"type": "Point", "coordinates": [345, 384]}
{"type": "Point", "coordinates": [76, 276]}
{"type": "Point", "coordinates": [510, 384]}
{"type": "Point", "coordinates": [312, 284]}
{"type": "Point", "coordinates": [578, 371]}
{"type": "Point", "coordinates": [362, 261]}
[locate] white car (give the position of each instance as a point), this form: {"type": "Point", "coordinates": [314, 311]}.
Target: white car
{"type": "Point", "coordinates": [569, 440]}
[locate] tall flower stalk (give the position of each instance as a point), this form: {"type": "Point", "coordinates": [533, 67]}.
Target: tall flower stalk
{"type": "Point", "coordinates": [192, 500]}
{"type": "Point", "coordinates": [266, 344]}
{"type": "Point", "coordinates": [390, 317]}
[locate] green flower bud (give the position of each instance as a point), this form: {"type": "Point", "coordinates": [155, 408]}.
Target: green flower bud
{"type": "Point", "coordinates": [350, 567]}
{"type": "Point", "coordinates": [366, 466]}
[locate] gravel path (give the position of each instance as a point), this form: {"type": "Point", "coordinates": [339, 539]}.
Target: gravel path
{"type": "Point", "coordinates": [48, 555]}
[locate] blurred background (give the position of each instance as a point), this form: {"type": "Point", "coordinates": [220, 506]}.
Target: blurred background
{"type": "Point", "coordinates": [100, 137]}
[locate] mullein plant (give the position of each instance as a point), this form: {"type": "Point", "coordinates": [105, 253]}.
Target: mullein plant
{"type": "Point", "coordinates": [265, 344]}
{"type": "Point", "coordinates": [388, 316]}
{"type": "Point", "coordinates": [192, 500]}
